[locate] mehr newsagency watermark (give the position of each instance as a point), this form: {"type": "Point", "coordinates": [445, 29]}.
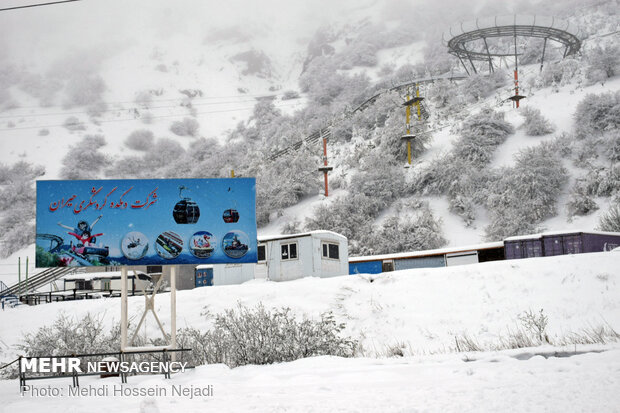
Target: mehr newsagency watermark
{"type": "Point", "coordinates": [118, 390]}
{"type": "Point", "coordinates": [50, 367]}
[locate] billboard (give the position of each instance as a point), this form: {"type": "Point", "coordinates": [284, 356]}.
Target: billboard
{"type": "Point", "coordinates": [146, 222]}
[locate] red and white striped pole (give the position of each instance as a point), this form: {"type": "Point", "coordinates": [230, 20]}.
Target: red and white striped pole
{"type": "Point", "coordinates": [325, 164]}
{"type": "Point", "coordinates": [517, 87]}
{"type": "Point", "coordinates": [325, 169]}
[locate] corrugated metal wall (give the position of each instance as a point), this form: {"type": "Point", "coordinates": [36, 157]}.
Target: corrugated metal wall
{"type": "Point", "coordinates": [420, 262]}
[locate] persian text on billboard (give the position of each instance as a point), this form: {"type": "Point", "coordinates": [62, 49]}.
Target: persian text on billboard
{"type": "Point", "coordinates": [146, 222]}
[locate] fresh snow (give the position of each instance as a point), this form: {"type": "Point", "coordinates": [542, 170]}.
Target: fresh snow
{"type": "Point", "coordinates": [419, 311]}
{"type": "Point", "coordinates": [421, 308]}
{"type": "Point", "coordinates": [516, 381]}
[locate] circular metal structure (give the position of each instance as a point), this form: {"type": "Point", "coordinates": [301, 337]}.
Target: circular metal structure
{"type": "Point", "coordinates": [469, 40]}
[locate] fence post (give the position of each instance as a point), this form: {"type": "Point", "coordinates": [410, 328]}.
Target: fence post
{"type": "Point", "coordinates": [121, 357]}
{"type": "Point", "coordinates": [22, 382]}
{"type": "Point", "coordinates": [166, 372]}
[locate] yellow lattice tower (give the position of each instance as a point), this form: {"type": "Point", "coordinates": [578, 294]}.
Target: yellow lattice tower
{"type": "Point", "coordinates": [410, 102]}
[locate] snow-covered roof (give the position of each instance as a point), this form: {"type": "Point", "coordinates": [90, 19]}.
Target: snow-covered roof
{"type": "Point", "coordinates": [265, 238]}
{"type": "Point", "coordinates": [552, 233]}
{"type": "Point", "coordinates": [96, 275]}
{"type": "Point", "coordinates": [439, 251]}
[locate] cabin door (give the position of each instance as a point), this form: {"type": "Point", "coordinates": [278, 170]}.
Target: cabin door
{"type": "Point", "coordinates": [261, 270]}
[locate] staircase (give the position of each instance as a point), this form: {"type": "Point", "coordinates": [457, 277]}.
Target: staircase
{"type": "Point", "coordinates": [38, 280]}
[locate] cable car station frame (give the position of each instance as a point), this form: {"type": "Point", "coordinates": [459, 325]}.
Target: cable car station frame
{"type": "Point", "coordinates": [462, 45]}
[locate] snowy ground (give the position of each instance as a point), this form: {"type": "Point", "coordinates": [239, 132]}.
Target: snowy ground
{"type": "Point", "coordinates": [517, 381]}
{"type": "Point", "coordinates": [418, 310]}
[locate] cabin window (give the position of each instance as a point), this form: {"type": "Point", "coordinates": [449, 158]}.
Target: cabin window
{"type": "Point", "coordinates": [331, 251]}
{"type": "Point", "coordinates": [289, 251]}
{"type": "Point", "coordinates": [261, 253]}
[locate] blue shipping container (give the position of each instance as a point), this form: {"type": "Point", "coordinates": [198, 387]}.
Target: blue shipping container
{"type": "Point", "coordinates": [367, 267]}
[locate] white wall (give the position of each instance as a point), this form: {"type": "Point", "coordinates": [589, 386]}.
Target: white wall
{"type": "Point", "coordinates": [229, 274]}
{"type": "Point", "coordinates": [462, 258]}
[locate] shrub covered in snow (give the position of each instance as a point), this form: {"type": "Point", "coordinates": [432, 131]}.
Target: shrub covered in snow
{"type": "Point", "coordinates": [560, 72]}
{"type": "Point", "coordinates": [68, 335]}
{"type": "Point", "coordinates": [601, 181]}
{"type": "Point", "coordinates": [283, 182]}
{"type": "Point", "coordinates": [185, 127]}
{"type": "Point", "coordinates": [257, 335]}
{"type": "Point", "coordinates": [84, 160]}
{"type": "Point", "coordinates": [596, 114]}
{"type": "Point", "coordinates": [291, 227]}
{"type": "Point", "coordinates": [84, 89]}
{"type": "Point", "coordinates": [256, 63]}
{"type": "Point", "coordinates": [74, 124]}
{"type": "Point", "coordinates": [140, 140]}
{"type": "Point", "coordinates": [479, 86]}
{"type": "Point", "coordinates": [603, 63]}
{"type": "Point", "coordinates": [610, 221]}
{"type": "Point", "coordinates": [351, 216]}
{"type": "Point", "coordinates": [463, 173]}
{"type": "Point", "coordinates": [481, 134]}
{"type": "Point", "coordinates": [581, 203]}
{"type": "Point", "coordinates": [17, 201]}
{"type": "Point", "coordinates": [524, 195]}
{"type": "Point", "coordinates": [414, 228]}
{"type": "Point", "coordinates": [290, 94]}
{"type": "Point", "coordinates": [535, 123]}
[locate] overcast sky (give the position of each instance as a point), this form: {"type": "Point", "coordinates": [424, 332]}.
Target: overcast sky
{"type": "Point", "coordinates": [43, 32]}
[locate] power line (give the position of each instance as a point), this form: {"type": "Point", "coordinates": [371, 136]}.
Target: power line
{"type": "Point", "coordinates": [81, 112]}
{"type": "Point", "coordinates": [37, 5]}
{"type": "Point", "coordinates": [151, 117]}
{"type": "Point", "coordinates": [256, 96]}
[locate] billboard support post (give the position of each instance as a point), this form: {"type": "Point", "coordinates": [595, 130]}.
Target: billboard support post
{"type": "Point", "coordinates": [173, 309]}
{"type": "Point", "coordinates": [123, 308]}
{"type": "Point", "coordinates": [149, 305]}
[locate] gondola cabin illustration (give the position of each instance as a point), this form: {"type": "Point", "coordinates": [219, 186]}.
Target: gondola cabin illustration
{"type": "Point", "coordinates": [230, 216]}
{"type": "Point", "coordinates": [185, 211]}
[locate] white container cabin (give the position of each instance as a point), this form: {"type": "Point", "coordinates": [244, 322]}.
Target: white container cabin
{"type": "Point", "coordinates": [107, 281]}
{"type": "Point", "coordinates": [284, 258]}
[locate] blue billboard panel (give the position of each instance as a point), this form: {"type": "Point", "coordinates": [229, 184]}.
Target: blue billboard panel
{"type": "Point", "coordinates": [146, 222]}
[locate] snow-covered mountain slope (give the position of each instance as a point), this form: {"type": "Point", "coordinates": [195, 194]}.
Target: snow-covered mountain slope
{"type": "Point", "coordinates": [146, 68]}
